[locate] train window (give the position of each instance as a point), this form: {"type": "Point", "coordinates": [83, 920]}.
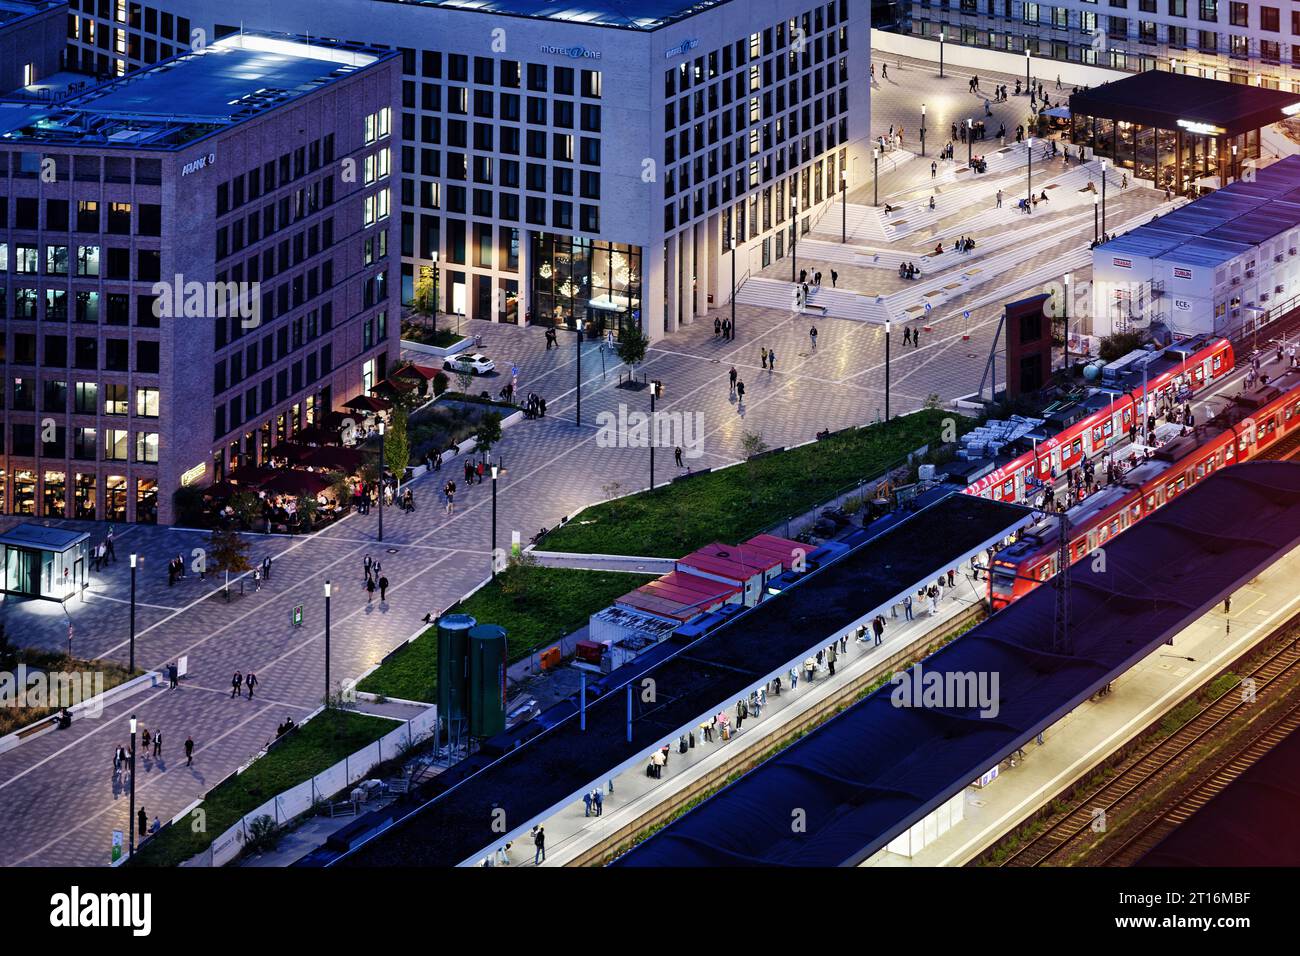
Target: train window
{"type": "Point", "coordinates": [1077, 447]}
{"type": "Point", "coordinates": [1200, 471]}
{"type": "Point", "coordinates": [1151, 501]}
{"type": "Point", "coordinates": [1217, 362]}
{"type": "Point", "coordinates": [1136, 510]}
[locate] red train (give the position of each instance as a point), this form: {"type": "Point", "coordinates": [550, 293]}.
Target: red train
{"type": "Point", "coordinates": [1194, 364]}
{"type": "Point", "coordinates": [1255, 421]}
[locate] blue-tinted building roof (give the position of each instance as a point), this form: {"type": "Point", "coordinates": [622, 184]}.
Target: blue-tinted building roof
{"type": "Point", "coordinates": [874, 770]}
{"type": "Point", "coordinates": [1221, 226]}
{"type": "Point", "coordinates": [170, 104]}
{"type": "Point", "coordinates": [42, 538]}
{"type": "Point", "coordinates": [625, 14]}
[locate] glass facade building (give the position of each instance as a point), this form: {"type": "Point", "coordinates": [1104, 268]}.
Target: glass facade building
{"type": "Point", "coordinates": [590, 279]}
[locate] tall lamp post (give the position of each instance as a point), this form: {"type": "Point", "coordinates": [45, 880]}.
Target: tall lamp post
{"type": "Point", "coordinates": [794, 238]}
{"type": "Point", "coordinates": [131, 668]}
{"type": "Point", "coordinates": [922, 129]}
{"type": "Point", "coordinates": [941, 54]}
{"type": "Point", "coordinates": [970, 135]}
{"type": "Point", "coordinates": [577, 343]}
{"type": "Point", "coordinates": [1065, 314]}
{"type": "Point", "coordinates": [887, 337]}
{"type": "Point", "coordinates": [733, 285]}
{"type": "Point", "coordinates": [875, 176]}
{"type": "Point", "coordinates": [327, 642]}
{"type": "Point", "coordinates": [1029, 175]}
{"type": "Point", "coordinates": [1103, 197]}
{"type": "Point", "coordinates": [131, 758]}
{"type": "Point", "coordinates": [1028, 57]}
{"type": "Point", "coordinates": [1095, 200]}
{"type": "Point", "coordinates": [844, 205]}
{"type": "Point", "coordinates": [383, 467]}
{"type": "Point", "coordinates": [656, 389]}
{"type": "Point", "coordinates": [1236, 170]}
{"type": "Point", "coordinates": [496, 470]}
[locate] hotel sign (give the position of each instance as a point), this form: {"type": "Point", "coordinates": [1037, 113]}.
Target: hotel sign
{"type": "Point", "coordinates": [684, 47]}
{"type": "Point", "coordinates": [203, 162]}
{"type": "Point", "coordinates": [573, 52]}
{"type": "Point", "coordinates": [1181, 272]}
{"type": "Point", "coordinates": [192, 475]}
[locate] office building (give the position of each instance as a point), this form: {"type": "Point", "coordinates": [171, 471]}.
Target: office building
{"type": "Point", "coordinates": [32, 40]}
{"type": "Point", "coordinates": [194, 264]}
{"type": "Point", "coordinates": [579, 162]}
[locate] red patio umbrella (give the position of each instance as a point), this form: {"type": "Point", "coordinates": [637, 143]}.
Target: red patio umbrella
{"type": "Point", "coordinates": [417, 371]}
{"type": "Point", "coordinates": [289, 481]}
{"type": "Point", "coordinates": [343, 459]}
{"type": "Point", "coordinates": [368, 403]}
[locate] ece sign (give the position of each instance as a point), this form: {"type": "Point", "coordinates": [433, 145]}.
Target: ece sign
{"type": "Point", "coordinates": [573, 52]}
{"type": "Point", "coordinates": [684, 47]}
{"type": "Point", "coordinates": [203, 162]}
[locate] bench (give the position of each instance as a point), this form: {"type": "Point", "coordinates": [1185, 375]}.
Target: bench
{"type": "Point", "coordinates": [33, 729]}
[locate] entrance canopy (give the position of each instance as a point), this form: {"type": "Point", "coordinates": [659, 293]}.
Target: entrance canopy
{"type": "Point", "coordinates": [1168, 100]}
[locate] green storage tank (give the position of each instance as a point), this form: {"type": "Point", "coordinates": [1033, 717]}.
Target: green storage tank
{"type": "Point", "coordinates": [453, 666]}
{"type": "Point", "coordinates": [487, 680]}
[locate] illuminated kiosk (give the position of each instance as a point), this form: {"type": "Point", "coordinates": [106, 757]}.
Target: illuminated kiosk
{"type": "Point", "coordinates": [1175, 129]}
{"type": "Point", "coordinates": [41, 562]}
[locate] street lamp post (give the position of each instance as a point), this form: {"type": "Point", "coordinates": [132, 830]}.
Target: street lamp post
{"type": "Point", "coordinates": [383, 467]}
{"type": "Point", "coordinates": [922, 129]}
{"type": "Point", "coordinates": [1065, 314]}
{"type": "Point", "coordinates": [577, 343]}
{"type": "Point", "coordinates": [327, 642]}
{"type": "Point", "coordinates": [941, 54]}
{"type": "Point", "coordinates": [1029, 176]}
{"type": "Point", "coordinates": [1028, 57]}
{"type": "Point", "coordinates": [1235, 171]}
{"type": "Point", "coordinates": [496, 470]}
{"type": "Point", "coordinates": [875, 176]}
{"type": "Point", "coordinates": [131, 820]}
{"type": "Point", "coordinates": [131, 668]}
{"type": "Point", "coordinates": [733, 286]}
{"type": "Point", "coordinates": [844, 206]}
{"type": "Point", "coordinates": [970, 135]}
{"type": "Point", "coordinates": [656, 390]}
{"type": "Point", "coordinates": [1095, 200]}
{"type": "Point", "coordinates": [794, 239]}
{"type": "Point", "coordinates": [887, 337]}
{"type": "Point", "coordinates": [1103, 198]}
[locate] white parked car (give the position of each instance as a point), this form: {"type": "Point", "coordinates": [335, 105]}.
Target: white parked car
{"type": "Point", "coordinates": [473, 362]}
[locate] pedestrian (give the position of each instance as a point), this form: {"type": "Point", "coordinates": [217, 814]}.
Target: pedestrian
{"type": "Point", "coordinates": [252, 681]}
{"type": "Point", "coordinates": [539, 841]}
{"type": "Point", "coordinates": [108, 545]}
{"type": "Point", "coordinates": [740, 393]}
{"type": "Point", "coordinates": [878, 627]}
{"type": "Point", "coordinates": [817, 278]}
{"type": "Point", "coordinates": [812, 335]}
{"type": "Point", "coordinates": [383, 589]}
{"type": "Point", "coordinates": [236, 685]}
{"type": "Point", "coordinates": [907, 335]}
{"type": "Point", "coordinates": [586, 802]}
{"type": "Point", "coordinates": [257, 579]}
{"type": "Point", "coordinates": [732, 378]}
{"type": "Point", "coordinates": [157, 743]}
{"type": "Point", "coordinates": [763, 353]}
{"type": "Point", "coordinates": [884, 70]}
{"type": "Point", "coordinates": [999, 206]}
{"type": "Point", "coordinates": [677, 456]}
{"type": "Point", "coordinates": [717, 328]}
{"type": "Point", "coordinates": [119, 760]}
{"type": "Point", "coordinates": [598, 801]}
{"type": "Point", "coordinates": [370, 590]}
{"type": "Point", "coordinates": [835, 276]}
{"type": "Point", "coordinates": [266, 568]}
{"type": "Point", "coordinates": [952, 577]}
{"type": "Point", "coordinates": [771, 360]}
{"type": "Point", "coordinates": [144, 821]}
{"type": "Point", "coordinates": [916, 337]}
{"type": "Point", "coordinates": [173, 676]}
{"type": "Point", "coordinates": [907, 607]}
{"type": "Point", "coordinates": [189, 751]}
{"type": "Point", "coordinates": [934, 169]}
{"type": "Point", "coordinates": [146, 738]}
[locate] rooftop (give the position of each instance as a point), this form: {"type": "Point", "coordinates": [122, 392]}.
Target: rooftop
{"type": "Point", "coordinates": [42, 538]}
{"type": "Point", "coordinates": [14, 10]}
{"type": "Point", "coordinates": [1223, 225]}
{"type": "Point", "coordinates": [1168, 100]}
{"type": "Point", "coordinates": [175, 102]}
{"type": "Point", "coordinates": [646, 15]}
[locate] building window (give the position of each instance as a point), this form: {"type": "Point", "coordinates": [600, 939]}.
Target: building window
{"type": "Point", "coordinates": [146, 446]}
{"type": "Point", "coordinates": [115, 444]}
{"type": "Point", "coordinates": [146, 402]}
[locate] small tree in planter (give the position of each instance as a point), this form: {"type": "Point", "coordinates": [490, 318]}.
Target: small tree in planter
{"type": "Point", "coordinates": [632, 345]}
{"type": "Point", "coordinates": [440, 383]}
{"type": "Point", "coordinates": [488, 432]}
{"type": "Point", "coordinates": [423, 301]}
{"type": "Point", "coordinates": [227, 552]}
{"type": "Point", "coordinates": [397, 446]}
{"type": "Point", "coordinates": [464, 378]}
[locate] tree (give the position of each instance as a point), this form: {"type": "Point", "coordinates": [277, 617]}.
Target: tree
{"type": "Point", "coordinates": [1118, 345]}
{"type": "Point", "coordinates": [753, 445]}
{"type": "Point", "coordinates": [397, 446]}
{"type": "Point", "coordinates": [424, 301]}
{"type": "Point", "coordinates": [632, 345]}
{"type": "Point", "coordinates": [464, 378]}
{"type": "Point", "coordinates": [440, 383]}
{"type": "Point", "coordinates": [247, 506]}
{"type": "Point", "coordinates": [488, 432]}
{"type": "Point", "coordinates": [227, 552]}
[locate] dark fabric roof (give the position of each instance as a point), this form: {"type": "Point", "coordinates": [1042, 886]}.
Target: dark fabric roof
{"type": "Point", "coordinates": [695, 678]}
{"type": "Point", "coordinates": [1250, 823]}
{"type": "Point", "coordinates": [875, 769]}
{"type": "Point", "coordinates": [1161, 98]}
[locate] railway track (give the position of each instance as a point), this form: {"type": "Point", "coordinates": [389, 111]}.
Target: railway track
{"type": "Point", "coordinates": [1282, 450]}
{"type": "Point", "coordinates": [1056, 842]}
{"type": "Point", "coordinates": [1153, 831]}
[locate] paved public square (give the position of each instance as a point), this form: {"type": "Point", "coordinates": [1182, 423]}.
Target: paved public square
{"type": "Point", "coordinates": [58, 797]}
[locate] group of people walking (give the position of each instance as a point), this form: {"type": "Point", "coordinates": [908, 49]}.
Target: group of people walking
{"type": "Point", "coordinates": [375, 580]}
